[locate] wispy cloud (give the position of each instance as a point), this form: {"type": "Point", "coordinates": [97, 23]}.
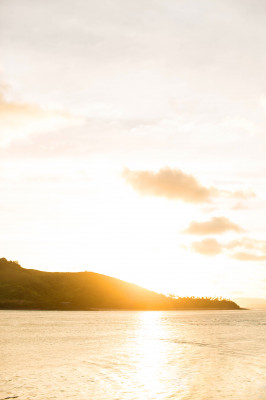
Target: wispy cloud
{"type": "Point", "coordinates": [242, 256]}
{"type": "Point", "coordinates": [216, 225]}
{"type": "Point", "coordinates": [232, 195]}
{"type": "Point", "coordinates": [174, 184]}
{"type": "Point", "coordinates": [239, 206]}
{"type": "Point", "coordinates": [18, 120]}
{"type": "Point", "coordinates": [248, 244]}
{"type": "Point", "coordinates": [244, 249]}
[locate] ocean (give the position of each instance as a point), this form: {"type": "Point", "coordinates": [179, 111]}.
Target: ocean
{"type": "Point", "coordinates": [133, 355]}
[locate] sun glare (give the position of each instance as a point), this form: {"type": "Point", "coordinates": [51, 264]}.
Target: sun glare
{"type": "Point", "coordinates": [151, 355]}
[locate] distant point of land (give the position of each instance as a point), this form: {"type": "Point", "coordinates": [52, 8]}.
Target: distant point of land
{"type": "Point", "coordinates": [29, 289]}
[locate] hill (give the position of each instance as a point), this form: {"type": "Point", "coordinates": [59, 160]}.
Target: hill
{"type": "Point", "coordinates": [22, 288]}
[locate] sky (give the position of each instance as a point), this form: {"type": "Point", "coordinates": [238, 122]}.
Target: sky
{"type": "Point", "coordinates": [132, 141]}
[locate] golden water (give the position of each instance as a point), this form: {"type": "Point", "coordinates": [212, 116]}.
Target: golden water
{"type": "Point", "coordinates": [120, 355]}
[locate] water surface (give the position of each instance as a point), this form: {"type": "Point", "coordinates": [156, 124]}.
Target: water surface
{"type": "Point", "coordinates": [121, 355]}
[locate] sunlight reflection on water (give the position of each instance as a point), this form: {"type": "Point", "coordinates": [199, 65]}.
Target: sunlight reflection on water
{"type": "Point", "coordinates": [151, 354]}
{"type": "Point", "coordinates": [204, 355]}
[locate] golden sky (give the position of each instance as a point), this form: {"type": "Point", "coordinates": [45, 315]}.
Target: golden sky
{"type": "Point", "coordinates": [132, 141]}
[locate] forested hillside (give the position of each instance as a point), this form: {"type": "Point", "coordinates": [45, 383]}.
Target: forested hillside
{"type": "Point", "coordinates": [22, 288]}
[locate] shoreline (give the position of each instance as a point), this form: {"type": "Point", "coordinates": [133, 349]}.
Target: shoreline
{"type": "Point", "coordinates": [122, 309]}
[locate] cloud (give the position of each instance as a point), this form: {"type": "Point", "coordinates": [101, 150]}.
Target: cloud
{"type": "Point", "coordinates": [169, 183]}
{"type": "Point", "coordinates": [239, 206]}
{"type": "Point", "coordinates": [247, 244]}
{"type": "Point", "coordinates": [216, 225]}
{"type": "Point", "coordinates": [247, 249]}
{"type": "Point", "coordinates": [18, 120]}
{"type": "Point", "coordinates": [173, 184]}
{"type": "Point", "coordinates": [238, 194]}
{"type": "Point", "coordinates": [208, 247]}
{"type": "Point", "coordinates": [242, 256]}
